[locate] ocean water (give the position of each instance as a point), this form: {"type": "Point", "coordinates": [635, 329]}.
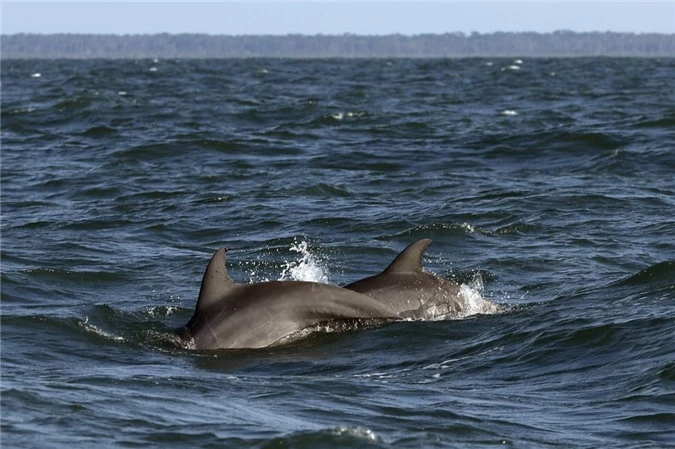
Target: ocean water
{"type": "Point", "coordinates": [547, 185]}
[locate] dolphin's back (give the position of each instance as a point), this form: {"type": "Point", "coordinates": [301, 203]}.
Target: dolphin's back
{"type": "Point", "coordinates": [408, 290]}
{"type": "Point", "coordinates": [412, 295]}
{"type": "Point", "coordinates": [259, 315]}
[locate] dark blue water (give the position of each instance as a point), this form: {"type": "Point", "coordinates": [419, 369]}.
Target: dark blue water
{"type": "Point", "coordinates": [548, 186]}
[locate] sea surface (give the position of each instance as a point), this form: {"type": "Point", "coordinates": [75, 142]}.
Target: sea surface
{"type": "Point", "coordinates": [547, 186]}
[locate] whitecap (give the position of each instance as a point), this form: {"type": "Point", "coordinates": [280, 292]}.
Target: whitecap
{"type": "Point", "coordinates": [36, 75]}
{"type": "Point", "coordinates": [358, 432]}
{"type": "Point", "coordinates": [445, 364]}
{"type": "Point", "coordinates": [509, 112]}
{"type": "Point", "coordinates": [86, 325]}
{"type": "Point", "coordinates": [349, 114]}
{"type": "Point", "coordinates": [22, 110]}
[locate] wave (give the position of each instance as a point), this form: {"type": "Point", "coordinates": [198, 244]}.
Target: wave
{"type": "Point", "coordinates": [445, 229]}
{"type": "Point", "coordinates": [662, 273]}
{"type": "Point", "coordinates": [665, 121]}
{"type": "Point", "coordinates": [90, 276]}
{"type": "Point", "coordinates": [336, 437]}
{"type": "Point", "coordinates": [99, 131]}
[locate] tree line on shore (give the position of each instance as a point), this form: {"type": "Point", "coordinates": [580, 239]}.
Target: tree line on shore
{"type": "Point", "coordinates": [506, 44]}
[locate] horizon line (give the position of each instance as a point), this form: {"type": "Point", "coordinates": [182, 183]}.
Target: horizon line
{"type": "Point", "coordinates": [345, 34]}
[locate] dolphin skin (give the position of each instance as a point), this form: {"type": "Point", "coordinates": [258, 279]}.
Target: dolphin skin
{"type": "Point", "coordinates": [229, 315]}
{"type": "Point", "coordinates": [411, 292]}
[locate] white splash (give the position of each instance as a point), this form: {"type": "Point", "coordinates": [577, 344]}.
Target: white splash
{"type": "Point", "coordinates": [474, 301]}
{"type": "Point", "coordinates": [308, 268]}
{"type": "Point", "coordinates": [36, 75]}
{"type": "Point", "coordinates": [509, 112]}
{"type": "Point", "coordinates": [161, 311]}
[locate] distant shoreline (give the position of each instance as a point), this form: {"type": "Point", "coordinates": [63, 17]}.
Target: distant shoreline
{"type": "Point", "coordinates": [448, 45]}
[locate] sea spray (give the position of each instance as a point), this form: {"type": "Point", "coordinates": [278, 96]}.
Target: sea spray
{"type": "Point", "coordinates": [308, 268]}
{"type": "Point", "coordinates": [475, 302]}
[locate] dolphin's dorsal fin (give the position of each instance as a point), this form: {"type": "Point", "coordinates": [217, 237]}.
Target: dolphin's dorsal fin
{"type": "Point", "coordinates": [410, 259]}
{"type": "Point", "coordinates": [216, 282]}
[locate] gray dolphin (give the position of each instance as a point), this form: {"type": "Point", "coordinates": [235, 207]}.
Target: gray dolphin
{"type": "Point", "coordinates": [231, 315]}
{"type": "Point", "coordinates": [411, 292]}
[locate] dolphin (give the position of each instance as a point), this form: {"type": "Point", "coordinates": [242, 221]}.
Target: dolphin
{"type": "Point", "coordinates": [410, 291]}
{"type": "Point", "coordinates": [229, 315]}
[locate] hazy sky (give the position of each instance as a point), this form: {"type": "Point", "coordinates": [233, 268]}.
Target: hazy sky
{"type": "Point", "coordinates": [337, 17]}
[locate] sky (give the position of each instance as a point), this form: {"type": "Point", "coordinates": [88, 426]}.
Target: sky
{"type": "Point", "coordinates": [336, 17]}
